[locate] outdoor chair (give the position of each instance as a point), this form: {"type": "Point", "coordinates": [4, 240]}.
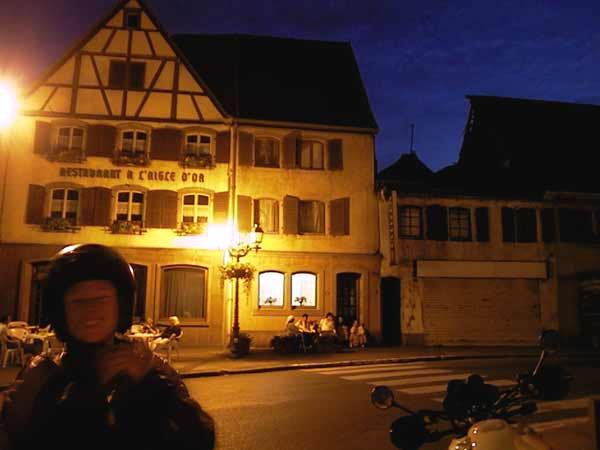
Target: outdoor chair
{"type": "Point", "coordinates": [171, 347]}
{"type": "Point", "coordinates": [11, 350]}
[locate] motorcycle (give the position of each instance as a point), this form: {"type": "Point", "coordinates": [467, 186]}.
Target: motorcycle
{"type": "Point", "coordinates": [480, 414]}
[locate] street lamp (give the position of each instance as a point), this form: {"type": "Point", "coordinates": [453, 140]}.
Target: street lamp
{"type": "Point", "coordinates": [8, 115]}
{"type": "Point", "coordinates": [239, 251]}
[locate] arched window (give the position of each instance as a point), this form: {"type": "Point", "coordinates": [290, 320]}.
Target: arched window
{"type": "Point", "coordinates": [309, 155]}
{"type": "Point", "coordinates": [270, 288]}
{"type": "Point", "coordinates": [266, 152]}
{"type": "Point", "coordinates": [304, 289]}
{"type": "Point", "coordinates": [266, 214]}
{"type": "Point", "coordinates": [184, 292]}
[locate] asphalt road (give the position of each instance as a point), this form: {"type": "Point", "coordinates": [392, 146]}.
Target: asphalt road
{"type": "Point", "coordinates": [325, 409]}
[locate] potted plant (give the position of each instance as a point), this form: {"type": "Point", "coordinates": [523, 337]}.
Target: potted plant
{"type": "Point", "coordinates": [244, 341]}
{"type": "Point", "coordinates": [57, 224]}
{"type": "Point", "coordinates": [242, 271]}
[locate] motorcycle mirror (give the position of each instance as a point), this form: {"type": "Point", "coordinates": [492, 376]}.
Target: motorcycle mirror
{"type": "Point", "coordinates": [409, 432]}
{"type": "Point", "coordinates": [382, 397]}
{"type": "Point", "coordinates": [549, 340]}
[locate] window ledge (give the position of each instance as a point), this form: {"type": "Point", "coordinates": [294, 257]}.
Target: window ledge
{"type": "Point", "coordinates": [131, 160]}
{"type": "Point", "coordinates": [126, 227]}
{"type": "Point", "coordinates": [58, 225]}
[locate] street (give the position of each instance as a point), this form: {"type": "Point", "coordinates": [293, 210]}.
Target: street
{"type": "Point", "coordinates": [330, 408]}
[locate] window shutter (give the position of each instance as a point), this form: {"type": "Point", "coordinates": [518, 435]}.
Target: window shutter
{"type": "Point", "coordinates": [161, 209]}
{"type": "Point", "coordinates": [153, 208]}
{"type": "Point", "coordinates": [102, 206]}
{"type": "Point", "coordinates": [166, 144]}
{"type": "Point", "coordinates": [169, 209]}
{"type": "Point", "coordinates": [334, 149]}
{"type": "Point", "coordinates": [246, 146]}
{"type": "Point", "coordinates": [482, 222]}
{"type": "Point", "coordinates": [437, 223]}
{"type": "Point", "coordinates": [87, 198]}
{"type": "Point", "coordinates": [220, 207]}
{"type": "Point", "coordinates": [548, 225]}
{"type": "Point", "coordinates": [222, 152]}
{"type": "Point", "coordinates": [508, 225]}
{"type": "Point", "coordinates": [244, 213]}
{"type": "Point", "coordinates": [340, 216]}
{"type": "Point", "coordinates": [101, 141]}
{"type": "Point", "coordinates": [526, 225]}
{"type": "Point", "coordinates": [290, 143]}
{"type": "Point", "coordinates": [42, 142]}
{"type": "Point", "coordinates": [36, 197]}
{"type": "Point", "coordinates": [290, 214]}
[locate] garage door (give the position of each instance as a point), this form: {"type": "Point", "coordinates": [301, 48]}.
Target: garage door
{"type": "Point", "coordinates": [464, 311]}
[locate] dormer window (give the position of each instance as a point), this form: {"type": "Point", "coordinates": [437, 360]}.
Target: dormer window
{"type": "Point", "coordinates": [132, 19]}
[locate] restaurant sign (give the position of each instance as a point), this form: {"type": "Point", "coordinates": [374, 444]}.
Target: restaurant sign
{"type": "Point", "coordinates": [131, 175]}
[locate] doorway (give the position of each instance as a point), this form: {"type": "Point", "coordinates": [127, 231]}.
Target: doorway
{"type": "Point", "coordinates": [39, 270]}
{"type": "Point", "coordinates": [139, 303]}
{"type": "Point", "coordinates": [347, 297]}
{"type": "Point", "coordinates": [390, 311]}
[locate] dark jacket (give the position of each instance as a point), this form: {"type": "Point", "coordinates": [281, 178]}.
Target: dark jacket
{"type": "Point", "coordinates": [59, 404]}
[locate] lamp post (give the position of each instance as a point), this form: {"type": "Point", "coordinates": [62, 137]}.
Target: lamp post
{"type": "Point", "coordinates": [239, 251]}
{"type": "Point", "coordinates": [8, 115]}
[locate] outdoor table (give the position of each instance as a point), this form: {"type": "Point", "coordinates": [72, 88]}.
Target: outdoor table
{"type": "Point", "coordinates": [144, 337]}
{"type": "Point", "coordinates": [44, 337]}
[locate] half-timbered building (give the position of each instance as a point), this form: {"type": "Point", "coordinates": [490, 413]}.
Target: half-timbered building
{"type": "Point", "coordinates": [167, 147]}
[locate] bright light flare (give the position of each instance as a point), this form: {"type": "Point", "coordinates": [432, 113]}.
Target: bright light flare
{"type": "Point", "coordinates": [8, 104]}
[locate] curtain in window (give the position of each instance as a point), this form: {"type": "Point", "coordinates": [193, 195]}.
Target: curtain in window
{"type": "Point", "coordinates": [304, 289]}
{"type": "Point", "coordinates": [184, 293]}
{"type": "Point", "coordinates": [267, 214]}
{"type": "Point", "coordinates": [270, 289]}
{"type": "Point", "coordinates": [312, 217]}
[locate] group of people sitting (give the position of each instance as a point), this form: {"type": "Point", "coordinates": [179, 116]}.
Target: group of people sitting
{"type": "Point", "coordinates": [327, 326]}
{"type": "Point", "coordinates": [173, 330]}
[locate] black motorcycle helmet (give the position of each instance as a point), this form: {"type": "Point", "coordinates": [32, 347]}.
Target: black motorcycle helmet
{"type": "Point", "coordinates": [85, 262]}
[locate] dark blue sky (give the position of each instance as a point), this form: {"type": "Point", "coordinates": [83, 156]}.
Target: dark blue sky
{"type": "Point", "coordinates": [418, 58]}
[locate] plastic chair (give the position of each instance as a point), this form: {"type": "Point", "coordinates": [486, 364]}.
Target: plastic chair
{"type": "Point", "coordinates": [172, 346]}
{"type": "Point", "coordinates": [17, 324]}
{"type": "Point", "coordinates": [11, 349]}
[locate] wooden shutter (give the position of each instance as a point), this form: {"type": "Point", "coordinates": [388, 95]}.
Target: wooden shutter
{"type": "Point", "coordinates": [36, 196]}
{"type": "Point", "coordinates": [101, 140]}
{"type": "Point", "coordinates": [508, 225]}
{"type": "Point", "coordinates": [335, 155]}
{"type": "Point", "coordinates": [437, 223]}
{"type": "Point", "coordinates": [246, 149]}
{"type": "Point", "coordinates": [166, 144]}
{"type": "Point", "coordinates": [339, 210]}
{"type": "Point", "coordinates": [244, 213]}
{"type": "Point", "coordinates": [290, 144]}
{"type": "Point", "coordinates": [482, 222]}
{"type": "Point", "coordinates": [220, 207]}
{"type": "Point", "coordinates": [223, 142]}
{"type": "Point", "coordinates": [290, 214]}
{"type": "Point", "coordinates": [161, 209]}
{"type": "Point", "coordinates": [526, 225]}
{"type": "Point", "coordinates": [87, 198]}
{"type": "Point", "coordinates": [102, 206]}
{"type": "Point", "coordinates": [548, 225]}
{"type": "Point", "coordinates": [42, 142]}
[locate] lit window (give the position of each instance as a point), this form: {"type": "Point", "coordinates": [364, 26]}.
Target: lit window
{"type": "Point", "coordinates": [195, 208]}
{"type": "Point", "coordinates": [184, 293]}
{"type": "Point", "coordinates": [197, 144]}
{"type": "Point", "coordinates": [304, 289]}
{"type": "Point", "coordinates": [311, 216]}
{"type": "Point", "coordinates": [130, 206]}
{"type": "Point", "coordinates": [266, 152]}
{"type": "Point", "coordinates": [310, 155]}
{"type": "Point", "coordinates": [64, 204]}
{"type": "Point", "coordinates": [459, 224]}
{"type": "Point", "coordinates": [270, 289]}
{"type": "Point", "coordinates": [409, 222]}
{"type": "Point", "coordinates": [266, 214]}
{"type": "Point", "coordinates": [70, 138]}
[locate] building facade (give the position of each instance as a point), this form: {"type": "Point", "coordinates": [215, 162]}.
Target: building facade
{"type": "Point", "coordinates": [168, 148]}
{"type": "Point", "coordinates": [502, 244]}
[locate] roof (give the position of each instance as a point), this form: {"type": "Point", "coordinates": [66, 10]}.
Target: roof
{"type": "Point", "coordinates": [281, 79]}
{"type": "Point", "coordinates": [408, 169]}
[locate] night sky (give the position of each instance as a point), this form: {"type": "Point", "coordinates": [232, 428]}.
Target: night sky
{"type": "Point", "coordinates": [418, 59]}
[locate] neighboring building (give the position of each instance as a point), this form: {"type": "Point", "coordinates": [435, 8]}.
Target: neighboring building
{"type": "Point", "coordinates": [503, 243]}
{"type": "Point", "coordinates": [163, 146]}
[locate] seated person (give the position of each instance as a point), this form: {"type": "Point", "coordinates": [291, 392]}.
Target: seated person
{"type": "Point", "coordinates": [304, 325]}
{"type": "Point", "coordinates": [290, 326]}
{"type": "Point", "coordinates": [327, 324]}
{"type": "Point", "coordinates": [173, 330]}
{"type": "Point", "coordinates": [149, 327]}
{"type": "Point", "coordinates": [358, 335]}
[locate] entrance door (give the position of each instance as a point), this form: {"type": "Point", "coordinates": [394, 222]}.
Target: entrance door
{"type": "Point", "coordinates": [347, 297]}
{"type": "Point", "coordinates": [38, 273]}
{"type": "Point", "coordinates": [139, 304]}
{"type": "Point", "coordinates": [390, 311]}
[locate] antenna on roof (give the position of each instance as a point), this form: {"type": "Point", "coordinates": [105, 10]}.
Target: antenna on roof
{"type": "Point", "coordinates": [412, 137]}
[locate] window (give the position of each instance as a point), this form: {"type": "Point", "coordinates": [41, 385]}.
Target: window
{"type": "Point", "coordinates": [459, 224]}
{"type": "Point", "coordinates": [194, 209]}
{"type": "Point", "coordinates": [575, 225]}
{"type": "Point", "coordinates": [311, 216]}
{"type": "Point", "coordinates": [70, 138]}
{"type": "Point", "coordinates": [130, 206]}
{"type": "Point", "coordinates": [409, 222]}
{"type": "Point", "coordinates": [197, 144]}
{"type": "Point", "coordinates": [309, 155]}
{"type": "Point", "coordinates": [266, 214]}
{"type": "Point", "coordinates": [270, 289]}
{"type": "Point", "coordinates": [122, 75]}
{"type": "Point", "coordinates": [266, 152]}
{"type": "Point", "coordinates": [548, 225]}
{"type": "Point", "coordinates": [482, 224]}
{"type": "Point", "coordinates": [134, 143]}
{"type": "Point", "coordinates": [64, 204]}
{"type": "Point", "coordinates": [184, 292]}
{"type": "Point", "coordinates": [519, 225]}
{"type": "Point", "coordinates": [132, 19]}
{"type": "Point", "coordinates": [304, 289]}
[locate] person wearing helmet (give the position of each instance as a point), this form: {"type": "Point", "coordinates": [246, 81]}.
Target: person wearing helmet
{"type": "Point", "coordinates": [111, 393]}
